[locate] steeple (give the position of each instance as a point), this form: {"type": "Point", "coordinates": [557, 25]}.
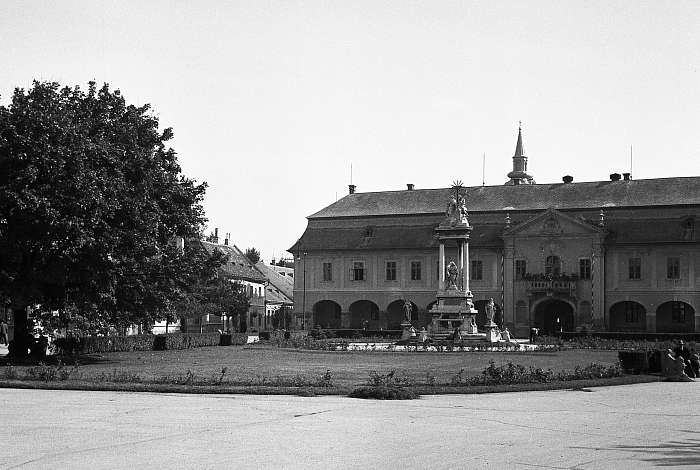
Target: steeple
{"type": "Point", "coordinates": [519, 174]}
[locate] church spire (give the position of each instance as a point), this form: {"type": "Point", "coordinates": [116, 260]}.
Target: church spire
{"type": "Point", "coordinates": [519, 151]}
{"type": "Point", "coordinates": [519, 174]}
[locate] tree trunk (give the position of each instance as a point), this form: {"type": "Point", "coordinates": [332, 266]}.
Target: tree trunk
{"type": "Point", "coordinates": [21, 334]}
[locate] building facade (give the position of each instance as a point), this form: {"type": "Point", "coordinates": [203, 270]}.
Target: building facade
{"type": "Point", "coordinates": [615, 255]}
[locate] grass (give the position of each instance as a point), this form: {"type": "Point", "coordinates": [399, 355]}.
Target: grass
{"type": "Point", "coordinates": [266, 369]}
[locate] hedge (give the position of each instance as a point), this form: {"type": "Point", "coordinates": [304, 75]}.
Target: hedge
{"type": "Point", "coordinates": [631, 335]}
{"type": "Point", "coordinates": [103, 344]}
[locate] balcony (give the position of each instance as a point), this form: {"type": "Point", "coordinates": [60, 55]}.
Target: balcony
{"type": "Point", "coordinates": [551, 286]}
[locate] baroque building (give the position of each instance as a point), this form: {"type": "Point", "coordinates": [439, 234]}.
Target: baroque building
{"type": "Point", "coordinates": [615, 255]}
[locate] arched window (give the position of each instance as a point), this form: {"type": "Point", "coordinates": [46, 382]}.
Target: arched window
{"type": "Point", "coordinates": [552, 265]}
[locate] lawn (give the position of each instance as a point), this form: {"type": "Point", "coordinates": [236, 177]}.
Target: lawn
{"type": "Point", "coordinates": [253, 363]}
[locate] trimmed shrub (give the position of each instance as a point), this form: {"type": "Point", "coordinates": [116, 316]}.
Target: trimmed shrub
{"type": "Point", "coordinates": [634, 361]}
{"type": "Point", "coordinates": [103, 344]}
{"type": "Point", "coordinates": [383, 393]}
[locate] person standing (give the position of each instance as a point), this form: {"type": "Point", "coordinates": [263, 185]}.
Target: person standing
{"type": "Point", "coordinates": [3, 332]}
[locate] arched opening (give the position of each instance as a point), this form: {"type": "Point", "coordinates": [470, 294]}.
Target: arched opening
{"type": "Point", "coordinates": [554, 316]}
{"type": "Point", "coordinates": [628, 316]}
{"type": "Point", "coordinates": [364, 313]}
{"type": "Point", "coordinates": [675, 317]}
{"type": "Point", "coordinates": [396, 313]}
{"type": "Point", "coordinates": [480, 306]}
{"type": "Point", "coordinates": [327, 314]}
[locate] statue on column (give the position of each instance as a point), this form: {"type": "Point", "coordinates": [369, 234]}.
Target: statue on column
{"type": "Point", "coordinates": [452, 275]}
{"type": "Point", "coordinates": [456, 212]}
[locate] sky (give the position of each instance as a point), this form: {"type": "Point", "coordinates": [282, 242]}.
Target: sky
{"type": "Point", "coordinates": [273, 102]}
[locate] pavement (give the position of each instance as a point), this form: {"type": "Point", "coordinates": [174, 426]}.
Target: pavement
{"type": "Point", "coordinates": [632, 426]}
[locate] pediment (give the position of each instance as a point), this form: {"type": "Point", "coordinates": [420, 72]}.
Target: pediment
{"type": "Point", "coordinates": [552, 223]}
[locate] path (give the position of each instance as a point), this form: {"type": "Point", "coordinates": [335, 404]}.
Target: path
{"type": "Point", "coordinates": [634, 426]}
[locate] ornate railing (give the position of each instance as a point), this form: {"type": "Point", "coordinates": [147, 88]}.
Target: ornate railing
{"type": "Point", "coordinates": [551, 286]}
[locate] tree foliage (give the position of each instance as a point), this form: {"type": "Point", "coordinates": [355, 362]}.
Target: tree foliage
{"type": "Point", "coordinates": [91, 199]}
{"type": "Point", "coordinates": [252, 254]}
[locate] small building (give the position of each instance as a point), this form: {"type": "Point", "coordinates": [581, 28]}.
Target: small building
{"type": "Point", "coordinates": [241, 270]}
{"type": "Point", "coordinates": [278, 297]}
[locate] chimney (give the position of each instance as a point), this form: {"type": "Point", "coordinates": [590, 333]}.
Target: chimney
{"type": "Point", "coordinates": [615, 176]}
{"type": "Point", "coordinates": [567, 179]}
{"type": "Point", "coordinates": [226, 240]}
{"type": "Point", "coordinates": [351, 187]}
{"type": "Point", "coordinates": [627, 176]}
{"type": "Point", "coordinates": [409, 186]}
{"type": "Point", "coordinates": [215, 238]}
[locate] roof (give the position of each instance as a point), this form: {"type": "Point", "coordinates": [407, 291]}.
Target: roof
{"type": "Point", "coordinates": [274, 296]}
{"type": "Point", "coordinates": [238, 266]}
{"type": "Point", "coordinates": [388, 237]}
{"type": "Point", "coordinates": [281, 283]}
{"type": "Point", "coordinates": [586, 195]}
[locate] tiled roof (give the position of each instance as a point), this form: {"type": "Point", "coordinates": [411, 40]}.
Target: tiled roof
{"type": "Point", "coordinates": [276, 297]}
{"type": "Point", "coordinates": [282, 283]}
{"type": "Point", "coordinates": [238, 266]}
{"type": "Point", "coordinates": [388, 237]}
{"type": "Point", "coordinates": [587, 195]}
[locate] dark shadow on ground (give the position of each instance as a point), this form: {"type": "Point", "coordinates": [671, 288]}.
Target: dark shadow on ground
{"type": "Point", "coordinates": [684, 453]}
{"type": "Point", "coordinates": [54, 360]}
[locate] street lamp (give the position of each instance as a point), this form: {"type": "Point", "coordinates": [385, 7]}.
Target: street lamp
{"type": "Point", "coordinates": [303, 298]}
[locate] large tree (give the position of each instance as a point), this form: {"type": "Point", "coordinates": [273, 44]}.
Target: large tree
{"type": "Point", "coordinates": [91, 199]}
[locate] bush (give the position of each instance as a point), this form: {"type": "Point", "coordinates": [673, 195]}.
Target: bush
{"type": "Point", "coordinates": [383, 393]}
{"type": "Point", "coordinates": [511, 374]}
{"type": "Point", "coordinates": [103, 344]}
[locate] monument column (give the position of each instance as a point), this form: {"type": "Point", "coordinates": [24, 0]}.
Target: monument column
{"type": "Point", "coordinates": [598, 286]}
{"type": "Point", "coordinates": [508, 281]}
{"type": "Point", "coordinates": [441, 282]}
{"type": "Point", "coordinates": [465, 261]}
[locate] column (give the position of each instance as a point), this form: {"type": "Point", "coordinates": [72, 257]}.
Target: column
{"type": "Point", "coordinates": [465, 273]}
{"type": "Point", "coordinates": [598, 285]}
{"type": "Point", "coordinates": [508, 283]}
{"type": "Point", "coordinates": [460, 262]}
{"type": "Point", "coordinates": [441, 281]}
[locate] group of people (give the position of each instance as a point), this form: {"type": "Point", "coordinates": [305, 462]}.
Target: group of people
{"type": "Point", "coordinates": [681, 361]}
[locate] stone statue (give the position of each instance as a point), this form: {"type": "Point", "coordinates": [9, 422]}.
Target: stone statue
{"type": "Point", "coordinates": [505, 335]}
{"type": "Point", "coordinates": [452, 273]}
{"type": "Point", "coordinates": [490, 311]}
{"type": "Point", "coordinates": [463, 215]}
{"type": "Point", "coordinates": [407, 307]}
{"type": "Point", "coordinates": [456, 212]}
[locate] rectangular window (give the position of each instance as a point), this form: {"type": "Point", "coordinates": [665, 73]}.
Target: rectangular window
{"type": "Point", "coordinates": [477, 271]}
{"type": "Point", "coordinates": [327, 272]}
{"type": "Point", "coordinates": [415, 271]}
{"type": "Point", "coordinates": [520, 269]}
{"type": "Point", "coordinates": [673, 267]}
{"type": "Point", "coordinates": [391, 270]}
{"type": "Point", "coordinates": [635, 268]}
{"type": "Point", "coordinates": [584, 268]}
{"type": "Point", "coordinates": [358, 271]}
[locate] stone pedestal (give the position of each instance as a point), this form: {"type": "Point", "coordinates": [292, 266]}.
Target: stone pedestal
{"type": "Point", "coordinates": [453, 310]}
{"type": "Point", "coordinates": [493, 334]}
{"type": "Point", "coordinates": [407, 331]}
